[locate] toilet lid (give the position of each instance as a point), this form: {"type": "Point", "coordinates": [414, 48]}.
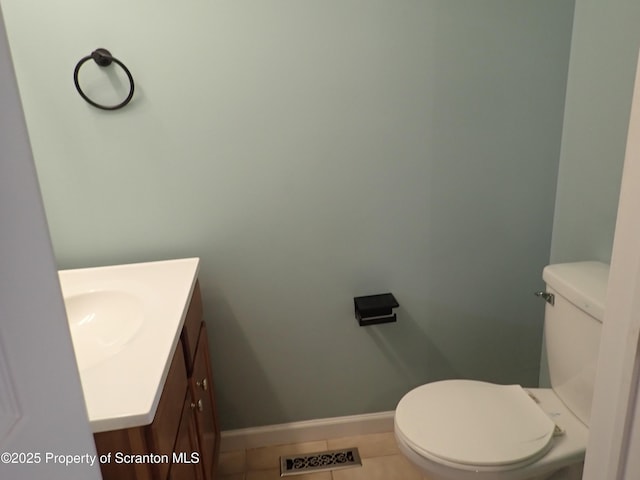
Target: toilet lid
{"type": "Point", "coordinates": [474, 423]}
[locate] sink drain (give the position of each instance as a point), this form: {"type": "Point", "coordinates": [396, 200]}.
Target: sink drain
{"type": "Point", "coordinates": [318, 462]}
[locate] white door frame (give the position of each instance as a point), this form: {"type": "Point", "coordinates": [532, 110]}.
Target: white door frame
{"type": "Point", "coordinates": [615, 427]}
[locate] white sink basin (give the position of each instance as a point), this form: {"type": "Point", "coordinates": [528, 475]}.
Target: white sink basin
{"type": "Point", "coordinates": [101, 323]}
{"type": "Point", "coordinates": [125, 323]}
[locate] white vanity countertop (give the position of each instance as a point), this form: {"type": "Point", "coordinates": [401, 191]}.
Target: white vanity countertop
{"type": "Point", "coordinates": [123, 369]}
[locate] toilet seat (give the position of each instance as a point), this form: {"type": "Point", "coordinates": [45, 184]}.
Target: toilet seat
{"type": "Point", "coordinates": [474, 425]}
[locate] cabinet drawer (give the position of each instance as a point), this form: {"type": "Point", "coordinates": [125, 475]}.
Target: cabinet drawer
{"type": "Point", "coordinates": [191, 329]}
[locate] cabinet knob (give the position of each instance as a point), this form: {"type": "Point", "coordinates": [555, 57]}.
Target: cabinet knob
{"type": "Point", "coordinates": [203, 384]}
{"type": "Point", "coordinates": [198, 404]}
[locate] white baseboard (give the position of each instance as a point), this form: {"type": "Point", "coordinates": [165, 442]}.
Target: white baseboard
{"type": "Point", "coordinates": [306, 431]}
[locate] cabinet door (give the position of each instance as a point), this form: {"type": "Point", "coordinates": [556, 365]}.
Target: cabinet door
{"type": "Point", "coordinates": [186, 457]}
{"type": "Point", "coordinates": [201, 386]}
{"type": "Point", "coordinates": [162, 432]}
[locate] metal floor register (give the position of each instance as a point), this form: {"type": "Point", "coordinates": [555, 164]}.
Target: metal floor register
{"type": "Point", "coordinates": [319, 462]}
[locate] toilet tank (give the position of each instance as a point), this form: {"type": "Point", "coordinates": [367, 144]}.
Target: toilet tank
{"type": "Point", "coordinates": [572, 330]}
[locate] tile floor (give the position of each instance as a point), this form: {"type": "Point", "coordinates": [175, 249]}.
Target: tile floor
{"type": "Point", "coordinates": [381, 460]}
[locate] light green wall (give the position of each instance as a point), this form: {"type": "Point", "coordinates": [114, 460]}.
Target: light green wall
{"type": "Point", "coordinates": [604, 53]}
{"type": "Point", "coordinates": [310, 152]}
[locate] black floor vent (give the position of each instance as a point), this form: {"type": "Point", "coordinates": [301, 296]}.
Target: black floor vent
{"type": "Point", "coordinates": [319, 462]}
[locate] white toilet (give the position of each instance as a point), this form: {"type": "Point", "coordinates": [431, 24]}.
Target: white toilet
{"type": "Point", "coordinates": [465, 429]}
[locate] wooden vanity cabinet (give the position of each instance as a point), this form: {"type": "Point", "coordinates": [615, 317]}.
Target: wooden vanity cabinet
{"type": "Point", "coordinates": [185, 427]}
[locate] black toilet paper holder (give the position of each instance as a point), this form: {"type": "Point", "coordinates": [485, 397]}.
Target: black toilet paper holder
{"type": "Point", "coordinates": [375, 309]}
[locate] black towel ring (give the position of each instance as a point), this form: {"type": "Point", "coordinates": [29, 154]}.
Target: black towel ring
{"type": "Point", "coordinates": [103, 58]}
